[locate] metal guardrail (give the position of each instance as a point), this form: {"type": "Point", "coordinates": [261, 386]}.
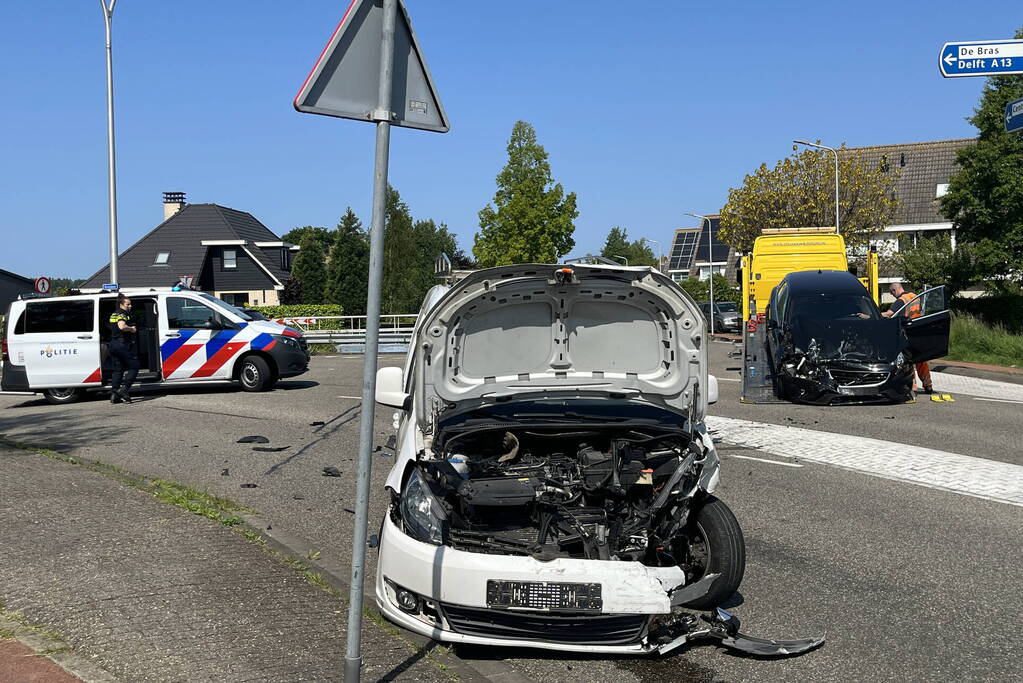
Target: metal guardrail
{"type": "Point", "coordinates": [351, 329]}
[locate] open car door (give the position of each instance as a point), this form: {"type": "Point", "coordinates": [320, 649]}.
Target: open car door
{"type": "Point", "coordinates": [926, 321]}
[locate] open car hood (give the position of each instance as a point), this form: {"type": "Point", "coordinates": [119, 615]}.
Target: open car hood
{"type": "Point", "coordinates": [529, 331]}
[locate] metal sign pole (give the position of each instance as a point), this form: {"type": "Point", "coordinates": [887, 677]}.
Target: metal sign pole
{"type": "Point", "coordinates": [710, 259]}
{"type": "Point", "coordinates": [382, 116]}
{"type": "Point", "coordinates": [108, 16]}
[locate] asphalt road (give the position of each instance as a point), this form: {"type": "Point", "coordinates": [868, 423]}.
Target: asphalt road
{"type": "Point", "coordinates": [907, 582]}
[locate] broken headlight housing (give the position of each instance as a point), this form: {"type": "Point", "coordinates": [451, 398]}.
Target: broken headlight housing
{"type": "Point", "coordinates": [421, 512]}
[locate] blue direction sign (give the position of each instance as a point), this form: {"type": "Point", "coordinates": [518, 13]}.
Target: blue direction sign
{"type": "Point", "coordinates": [981, 58]}
{"type": "Point", "coordinates": [1014, 116]}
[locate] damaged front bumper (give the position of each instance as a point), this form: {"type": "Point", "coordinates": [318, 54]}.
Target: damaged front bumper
{"type": "Point", "coordinates": [821, 386]}
{"type": "Point", "coordinates": [442, 593]}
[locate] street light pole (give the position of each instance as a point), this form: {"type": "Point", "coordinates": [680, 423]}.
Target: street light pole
{"type": "Point", "coordinates": [108, 16]}
{"type": "Point", "coordinates": [710, 260]}
{"type": "Point", "coordinates": [835, 152]}
{"type": "Point", "coordinates": [660, 251]}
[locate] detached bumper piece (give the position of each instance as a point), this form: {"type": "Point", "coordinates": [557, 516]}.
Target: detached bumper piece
{"type": "Point", "coordinates": [723, 628]}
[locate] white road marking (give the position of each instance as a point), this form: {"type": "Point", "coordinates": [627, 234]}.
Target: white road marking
{"type": "Point", "coordinates": [947, 383]}
{"type": "Point", "coordinates": [354, 398]}
{"type": "Point", "coordinates": [996, 400]}
{"type": "Point", "coordinates": [770, 462]}
{"type": "Point", "coordinates": [979, 477]}
{"type": "Point", "coordinates": [728, 379]}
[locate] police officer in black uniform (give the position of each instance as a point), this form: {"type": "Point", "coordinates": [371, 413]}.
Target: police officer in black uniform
{"type": "Point", "coordinates": [123, 349]}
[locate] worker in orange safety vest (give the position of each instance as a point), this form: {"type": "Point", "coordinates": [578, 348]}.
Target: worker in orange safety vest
{"type": "Point", "coordinates": [903, 299]}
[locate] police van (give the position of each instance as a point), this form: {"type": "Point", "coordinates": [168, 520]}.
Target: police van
{"type": "Point", "coordinates": [57, 345]}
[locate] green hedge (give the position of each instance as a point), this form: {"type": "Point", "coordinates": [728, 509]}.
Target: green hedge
{"type": "Point", "coordinates": [1003, 310]}
{"type": "Point", "coordinates": [298, 310]}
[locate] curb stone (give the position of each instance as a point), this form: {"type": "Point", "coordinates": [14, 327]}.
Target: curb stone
{"type": "Point", "coordinates": [288, 544]}
{"type": "Point", "coordinates": [69, 660]}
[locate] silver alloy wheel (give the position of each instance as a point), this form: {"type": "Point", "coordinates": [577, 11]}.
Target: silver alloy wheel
{"type": "Point", "coordinates": [250, 374]}
{"type": "Point", "coordinates": [62, 394]}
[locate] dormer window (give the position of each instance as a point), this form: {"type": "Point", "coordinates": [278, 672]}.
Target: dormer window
{"type": "Point", "coordinates": [230, 258]}
{"type": "Point", "coordinates": [161, 258]}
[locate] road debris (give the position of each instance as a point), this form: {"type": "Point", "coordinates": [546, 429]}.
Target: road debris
{"type": "Point", "coordinates": [253, 439]}
{"type": "Point", "coordinates": [331, 472]}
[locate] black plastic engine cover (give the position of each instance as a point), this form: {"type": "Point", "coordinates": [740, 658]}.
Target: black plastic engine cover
{"type": "Point", "coordinates": [499, 491]}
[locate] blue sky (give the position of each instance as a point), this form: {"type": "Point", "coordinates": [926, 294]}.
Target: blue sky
{"type": "Point", "coordinates": [648, 110]}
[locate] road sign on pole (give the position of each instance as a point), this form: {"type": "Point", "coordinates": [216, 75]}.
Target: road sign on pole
{"type": "Point", "coordinates": [43, 285]}
{"type": "Point", "coordinates": [371, 70]}
{"type": "Point", "coordinates": [981, 58]}
{"type": "Point", "coordinates": [345, 80]}
{"type": "Point", "coordinates": [1014, 116]}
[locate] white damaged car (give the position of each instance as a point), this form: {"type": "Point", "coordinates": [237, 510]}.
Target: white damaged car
{"type": "Point", "coordinates": [553, 481]}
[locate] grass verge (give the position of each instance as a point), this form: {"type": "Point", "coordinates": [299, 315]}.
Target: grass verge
{"type": "Point", "coordinates": [973, 341]}
{"type": "Point", "coordinates": [215, 508]}
{"type": "Point", "coordinates": [15, 626]}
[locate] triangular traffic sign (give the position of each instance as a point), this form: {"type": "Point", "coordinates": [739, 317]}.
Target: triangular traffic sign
{"type": "Point", "coordinates": [345, 80]}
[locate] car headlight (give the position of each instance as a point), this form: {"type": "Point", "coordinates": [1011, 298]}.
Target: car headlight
{"type": "Point", "coordinates": [423, 516]}
{"type": "Point", "coordinates": [287, 341]}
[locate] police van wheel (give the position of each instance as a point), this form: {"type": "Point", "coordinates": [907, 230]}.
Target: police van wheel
{"type": "Point", "coordinates": [255, 374]}
{"type": "Point", "coordinates": [63, 396]}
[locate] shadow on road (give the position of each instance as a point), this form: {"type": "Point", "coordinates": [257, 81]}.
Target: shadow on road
{"type": "Point", "coordinates": [59, 430]}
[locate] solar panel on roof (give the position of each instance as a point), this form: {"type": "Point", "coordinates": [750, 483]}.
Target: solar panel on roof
{"type": "Point", "coordinates": [682, 249]}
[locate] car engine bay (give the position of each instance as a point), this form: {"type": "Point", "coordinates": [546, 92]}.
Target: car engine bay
{"type": "Point", "coordinates": [601, 493]}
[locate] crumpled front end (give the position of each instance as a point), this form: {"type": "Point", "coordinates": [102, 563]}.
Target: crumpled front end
{"type": "Point", "coordinates": [831, 383]}
{"type": "Point", "coordinates": [453, 596]}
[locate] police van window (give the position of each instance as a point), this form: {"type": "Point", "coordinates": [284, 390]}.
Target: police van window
{"type": "Point", "coordinates": [188, 314]}
{"type": "Point", "coordinates": [59, 316]}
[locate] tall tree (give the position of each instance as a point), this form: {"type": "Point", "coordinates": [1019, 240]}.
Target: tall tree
{"type": "Point", "coordinates": [310, 269]}
{"type": "Point", "coordinates": [400, 257]}
{"type": "Point", "coordinates": [933, 261]}
{"type": "Point", "coordinates": [531, 219]}
{"type": "Point", "coordinates": [800, 192]}
{"type": "Point", "coordinates": [348, 266]}
{"type": "Point", "coordinates": [985, 197]}
{"type": "Point", "coordinates": [322, 235]}
{"type": "Point", "coordinates": [618, 245]}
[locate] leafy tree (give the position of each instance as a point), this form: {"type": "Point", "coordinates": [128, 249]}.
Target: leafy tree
{"type": "Point", "coordinates": [800, 192]}
{"type": "Point", "coordinates": [348, 266]}
{"type": "Point", "coordinates": [400, 257]}
{"type": "Point", "coordinates": [985, 197]}
{"type": "Point", "coordinates": [531, 219]}
{"type": "Point", "coordinates": [723, 289]}
{"type": "Point", "coordinates": [292, 292]}
{"type": "Point", "coordinates": [618, 245]}
{"type": "Point", "coordinates": [59, 283]}
{"type": "Point", "coordinates": [933, 261]}
{"type": "Point", "coordinates": [322, 235]}
{"type": "Point", "coordinates": [310, 269]}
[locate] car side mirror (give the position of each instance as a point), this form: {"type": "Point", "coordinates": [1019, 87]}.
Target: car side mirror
{"type": "Point", "coordinates": [712, 389]}
{"type": "Point", "coordinates": [391, 388]}
{"type": "Point", "coordinates": [212, 324]}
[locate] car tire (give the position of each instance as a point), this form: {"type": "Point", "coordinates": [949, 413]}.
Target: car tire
{"type": "Point", "coordinates": [716, 546]}
{"type": "Point", "coordinates": [60, 397]}
{"type": "Point", "coordinates": [254, 374]}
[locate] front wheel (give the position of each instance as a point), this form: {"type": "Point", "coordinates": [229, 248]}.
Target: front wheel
{"type": "Point", "coordinates": [63, 396]}
{"type": "Point", "coordinates": [254, 374]}
{"type": "Point", "coordinates": [715, 546]}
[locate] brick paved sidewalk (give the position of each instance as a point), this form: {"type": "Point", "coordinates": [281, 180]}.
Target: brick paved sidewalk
{"type": "Point", "coordinates": [149, 592]}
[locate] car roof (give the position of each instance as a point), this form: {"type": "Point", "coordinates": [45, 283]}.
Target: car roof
{"type": "Point", "coordinates": [823, 282]}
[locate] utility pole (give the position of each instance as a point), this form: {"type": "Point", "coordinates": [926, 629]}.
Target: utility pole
{"type": "Point", "coordinates": [108, 16]}
{"type": "Point", "coordinates": [835, 152]}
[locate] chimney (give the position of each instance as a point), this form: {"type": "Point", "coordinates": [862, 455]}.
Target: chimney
{"type": "Point", "coordinates": [172, 203]}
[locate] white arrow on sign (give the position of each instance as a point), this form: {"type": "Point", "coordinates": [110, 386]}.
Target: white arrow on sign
{"type": "Point", "coordinates": [950, 59]}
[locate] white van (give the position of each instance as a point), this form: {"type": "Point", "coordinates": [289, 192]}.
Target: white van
{"type": "Point", "coordinates": [58, 345]}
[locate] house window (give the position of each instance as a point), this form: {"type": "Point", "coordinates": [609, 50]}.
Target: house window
{"type": "Point", "coordinates": [161, 258]}
{"type": "Point", "coordinates": [941, 190]}
{"type": "Point", "coordinates": [230, 258]}
{"type": "Point", "coordinates": [285, 259]}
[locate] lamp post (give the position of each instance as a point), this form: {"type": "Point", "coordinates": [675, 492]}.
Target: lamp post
{"type": "Point", "coordinates": [710, 260]}
{"type": "Point", "coordinates": [835, 152]}
{"type": "Point", "coordinates": [622, 258]}
{"type": "Point", "coordinates": [660, 252]}
{"type": "Point", "coordinates": [108, 15]}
